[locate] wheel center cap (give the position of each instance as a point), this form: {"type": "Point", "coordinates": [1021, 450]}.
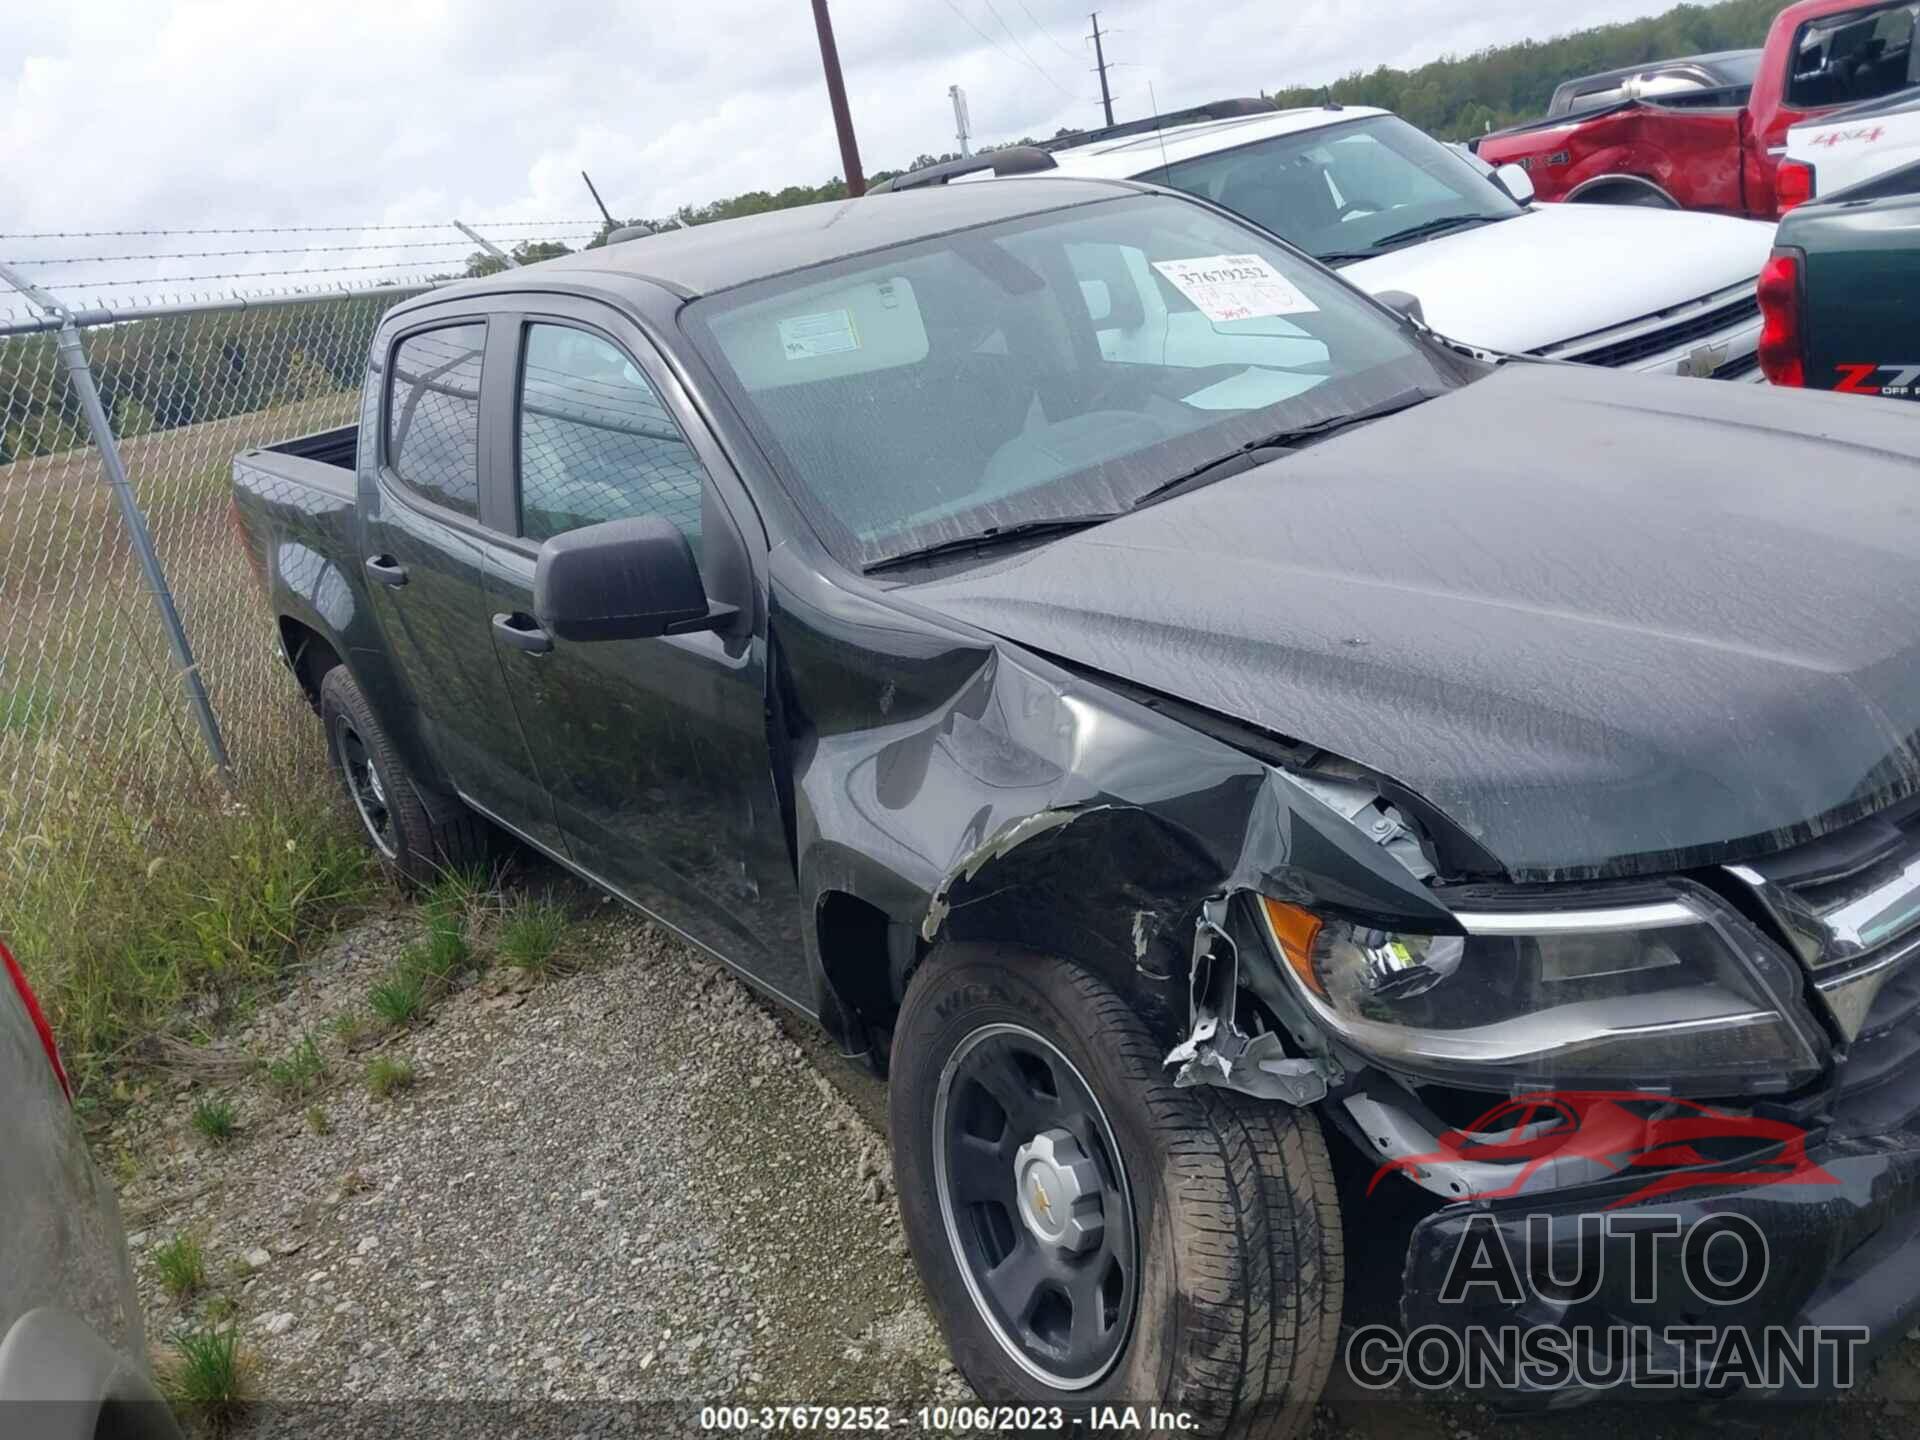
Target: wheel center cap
{"type": "Point", "coordinates": [1058, 1191]}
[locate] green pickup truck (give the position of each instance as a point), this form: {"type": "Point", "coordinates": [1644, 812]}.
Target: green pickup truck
{"type": "Point", "coordinates": [1840, 296]}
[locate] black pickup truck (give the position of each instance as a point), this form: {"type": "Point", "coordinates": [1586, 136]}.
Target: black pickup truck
{"type": "Point", "coordinates": [1212, 739]}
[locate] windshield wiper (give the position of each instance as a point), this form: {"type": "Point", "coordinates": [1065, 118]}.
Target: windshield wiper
{"type": "Point", "coordinates": [1345, 257]}
{"type": "Point", "coordinates": [1271, 447]}
{"type": "Point", "coordinates": [992, 536]}
{"type": "Point", "coordinates": [1430, 228]}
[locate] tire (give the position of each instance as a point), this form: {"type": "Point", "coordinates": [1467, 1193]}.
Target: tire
{"type": "Point", "coordinates": [1234, 1314]}
{"type": "Point", "coordinates": [382, 793]}
{"type": "Point", "coordinates": [1642, 197]}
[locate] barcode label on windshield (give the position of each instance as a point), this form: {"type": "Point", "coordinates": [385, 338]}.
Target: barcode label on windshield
{"type": "Point", "coordinates": [807, 337]}
{"type": "Point", "coordinates": [1234, 287]}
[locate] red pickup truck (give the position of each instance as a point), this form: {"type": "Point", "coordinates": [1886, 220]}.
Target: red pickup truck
{"type": "Point", "coordinates": [1684, 135]}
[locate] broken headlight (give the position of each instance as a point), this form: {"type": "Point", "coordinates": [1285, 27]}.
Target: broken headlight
{"type": "Point", "coordinates": [1669, 995]}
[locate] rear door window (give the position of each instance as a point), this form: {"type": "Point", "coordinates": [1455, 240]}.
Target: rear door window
{"type": "Point", "coordinates": [433, 415]}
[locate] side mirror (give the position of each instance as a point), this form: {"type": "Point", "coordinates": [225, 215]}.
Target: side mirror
{"type": "Point", "coordinates": [1403, 302]}
{"type": "Point", "coordinates": [1515, 180]}
{"type": "Point", "coordinates": [622, 580]}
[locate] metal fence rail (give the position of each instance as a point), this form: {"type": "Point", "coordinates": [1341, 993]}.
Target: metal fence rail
{"type": "Point", "coordinates": [134, 639]}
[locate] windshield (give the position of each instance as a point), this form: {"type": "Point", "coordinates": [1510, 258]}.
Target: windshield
{"type": "Point", "coordinates": [1055, 367]}
{"type": "Point", "coordinates": [1345, 192]}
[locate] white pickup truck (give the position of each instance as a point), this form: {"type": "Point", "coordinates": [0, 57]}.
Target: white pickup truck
{"type": "Point", "coordinates": [1397, 211]}
{"type": "Point", "coordinates": [1841, 149]}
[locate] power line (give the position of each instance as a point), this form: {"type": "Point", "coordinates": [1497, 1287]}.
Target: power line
{"type": "Point", "coordinates": [1026, 53]}
{"type": "Point", "coordinates": [1002, 50]}
{"type": "Point", "coordinates": [1048, 33]}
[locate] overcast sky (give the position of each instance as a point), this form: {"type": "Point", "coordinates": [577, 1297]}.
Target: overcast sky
{"type": "Point", "coordinates": [147, 113]}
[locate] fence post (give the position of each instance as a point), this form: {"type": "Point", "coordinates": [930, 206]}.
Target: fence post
{"type": "Point", "coordinates": [73, 355]}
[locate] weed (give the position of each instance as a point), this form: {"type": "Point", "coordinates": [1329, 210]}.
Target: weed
{"type": "Point", "coordinates": [210, 1374]}
{"type": "Point", "coordinates": [533, 934]}
{"type": "Point", "coordinates": [387, 1076]}
{"type": "Point", "coordinates": [355, 1182]}
{"type": "Point", "coordinates": [318, 1122]}
{"type": "Point", "coordinates": [400, 999]}
{"type": "Point", "coordinates": [181, 1266]}
{"type": "Point", "coordinates": [352, 1028]}
{"type": "Point", "coordinates": [216, 1308]}
{"type": "Point", "coordinates": [216, 1119]}
{"type": "Point", "coordinates": [300, 1071]}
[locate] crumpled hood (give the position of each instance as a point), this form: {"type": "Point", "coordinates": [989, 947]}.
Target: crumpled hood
{"type": "Point", "coordinates": [1609, 624]}
{"type": "Point", "coordinates": [1561, 271]}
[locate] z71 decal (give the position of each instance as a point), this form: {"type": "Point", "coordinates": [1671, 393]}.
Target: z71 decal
{"type": "Point", "coordinates": [1902, 382]}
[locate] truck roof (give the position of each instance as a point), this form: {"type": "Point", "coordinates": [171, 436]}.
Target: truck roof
{"type": "Point", "coordinates": [701, 259]}
{"type": "Point", "coordinates": [1130, 156]}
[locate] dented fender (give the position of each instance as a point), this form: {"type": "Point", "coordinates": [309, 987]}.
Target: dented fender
{"type": "Point", "coordinates": [976, 791]}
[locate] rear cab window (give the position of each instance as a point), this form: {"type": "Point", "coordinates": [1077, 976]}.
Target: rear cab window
{"type": "Point", "coordinates": [1855, 56]}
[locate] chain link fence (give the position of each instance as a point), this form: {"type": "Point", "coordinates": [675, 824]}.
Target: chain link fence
{"type": "Point", "coordinates": [90, 685]}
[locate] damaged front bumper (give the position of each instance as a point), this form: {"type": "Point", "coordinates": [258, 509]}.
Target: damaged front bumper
{"type": "Point", "coordinates": [1834, 1279]}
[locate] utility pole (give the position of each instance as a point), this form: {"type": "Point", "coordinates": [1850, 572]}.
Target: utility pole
{"type": "Point", "coordinates": [962, 123]}
{"type": "Point", "coordinates": [1100, 64]}
{"type": "Point", "coordinates": [837, 97]}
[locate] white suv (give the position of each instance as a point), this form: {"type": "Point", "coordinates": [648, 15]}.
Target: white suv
{"type": "Point", "coordinates": [1395, 210]}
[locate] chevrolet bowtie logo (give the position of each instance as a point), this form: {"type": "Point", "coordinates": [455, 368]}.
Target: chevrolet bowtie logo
{"type": "Point", "coordinates": [1041, 1202]}
{"type": "Point", "coordinates": [1703, 360]}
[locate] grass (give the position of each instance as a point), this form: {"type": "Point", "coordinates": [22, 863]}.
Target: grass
{"type": "Point", "coordinates": [210, 1375]}
{"type": "Point", "coordinates": [426, 969]}
{"type": "Point", "coordinates": [318, 1121]}
{"type": "Point", "coordinates": [300, 1071]}
{"type": "Point", "coordinates": [386, 1076]}
{"type": "Point", "coordinates": [141, 895]}
{"type": "Point", "coordinates": [216, 1119]}
{"type": "Point", "coordinates": [181, 1265]}
{"type": "Point", "coordinates": [217, 1308]}
{"type": "Point", "coordinates": [533, 934]}
{"type": "Point", "coordinates": [400, 999]}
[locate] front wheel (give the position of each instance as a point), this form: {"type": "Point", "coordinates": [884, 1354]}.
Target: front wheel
{"type": "Point", "coordinates": [1088, 1233]}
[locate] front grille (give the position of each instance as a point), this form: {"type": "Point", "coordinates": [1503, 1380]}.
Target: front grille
{"type": "Point", "coordinates": [1664, 338]}
{"type": "Point", "coordinates": [1851, 884]}
{"type": "Point", "coordinates": [1878, 1086]}
{"type": "Point", "coordinates": [1738, 369]}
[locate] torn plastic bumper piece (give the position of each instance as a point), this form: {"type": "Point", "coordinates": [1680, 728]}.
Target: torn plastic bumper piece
{"type": "Point", "coordinates": [1217, 1051]}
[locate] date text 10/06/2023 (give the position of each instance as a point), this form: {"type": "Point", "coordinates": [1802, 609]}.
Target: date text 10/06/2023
{"type": "Point", "coordinates": [943, 1419]}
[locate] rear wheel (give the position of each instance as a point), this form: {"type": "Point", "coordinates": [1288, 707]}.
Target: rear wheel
{"type": "Point", "coordinates": [382, 793]}
{"type": "Point", "coordinates": [1090, 1234]}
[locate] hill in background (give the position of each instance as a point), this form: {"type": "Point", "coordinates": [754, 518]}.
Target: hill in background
{"type": "Point", "coordinates": [1459, 97]}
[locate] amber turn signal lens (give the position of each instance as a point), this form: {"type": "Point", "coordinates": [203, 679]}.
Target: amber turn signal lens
{"type": "Point", "coordinates": [1295, 930]}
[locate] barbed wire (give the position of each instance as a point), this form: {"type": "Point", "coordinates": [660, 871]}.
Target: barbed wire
{"type": "Point", "coordinates": [230, 275]}
{"type": "Point", "coordinates": [293, 250]}
{"type": "Point", "coordinates": [296, 229]}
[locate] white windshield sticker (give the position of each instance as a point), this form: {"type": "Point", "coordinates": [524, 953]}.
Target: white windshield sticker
{"type": "Point", "coordinates": [806, 337]}
{"type": "Point", "coordinates": [1234, 287]}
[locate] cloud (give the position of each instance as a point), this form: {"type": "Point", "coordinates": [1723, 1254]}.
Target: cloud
{"type": "Point", "coordinates": [122, 114]}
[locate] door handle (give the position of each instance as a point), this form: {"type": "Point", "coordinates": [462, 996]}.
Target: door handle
{"type": "Point", "coordinates": [387, 570]}
{"type": "Point", "coordinates": [522, 633]}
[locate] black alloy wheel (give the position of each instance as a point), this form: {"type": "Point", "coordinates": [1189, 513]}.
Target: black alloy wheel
{"type": "Point", "coordinates": [1035, 1201]}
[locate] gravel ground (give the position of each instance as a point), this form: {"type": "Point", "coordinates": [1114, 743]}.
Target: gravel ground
{"type": "Point", "coordinates": [633, 1183]}
{"type": "Point", "coordinates": [625, 1184]}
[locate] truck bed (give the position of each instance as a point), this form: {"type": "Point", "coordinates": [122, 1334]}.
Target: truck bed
{"type": "Point", "coordinates": [293, 504]}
